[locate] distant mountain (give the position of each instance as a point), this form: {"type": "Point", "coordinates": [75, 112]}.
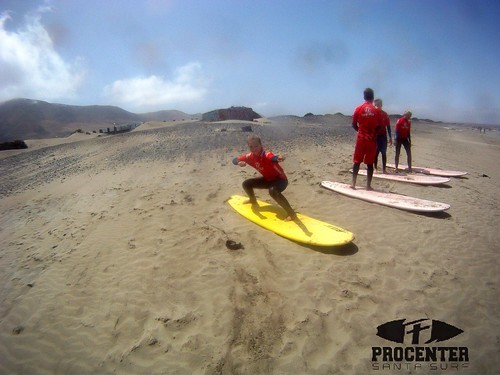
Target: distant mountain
{"type": "Point", "coordinates": [30, 119]}
{"type": "Point", "coordinates": [169, 115]}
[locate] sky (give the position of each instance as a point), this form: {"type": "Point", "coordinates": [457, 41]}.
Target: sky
{"type": "Point", "coordinates": [438, 58]}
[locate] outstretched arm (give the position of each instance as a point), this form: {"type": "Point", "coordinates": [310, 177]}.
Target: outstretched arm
{"type": "Point", "coordinates": [241, 163]}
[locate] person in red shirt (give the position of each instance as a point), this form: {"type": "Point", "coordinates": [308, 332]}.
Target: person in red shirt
{"type": "Point", "coordinates": [382, 136]}
{"type": "Point", "coordinates": [402, 136]}
{"type": "Point", "coordinates": [366, 120]}
{"type": "Point", "coordinates": [273, 176]}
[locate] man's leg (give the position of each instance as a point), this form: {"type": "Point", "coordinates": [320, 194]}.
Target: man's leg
{"type": "Point", "coordinates": [383, 151]}
{"type": "Point", "coordinates": [355, 170]}
{"type": "Point", "coordinates": [369, 177]}
{"type": "Point", "coordinates": [407, 147]}
{"type": "Point", "coordinates": [398, 151]}
{"type": "Point", "coordinates": [275, 191]}
{"type": "Point", "coordinates": [254, 183]}
{"type": "Point", "coordinates": [380, 150]}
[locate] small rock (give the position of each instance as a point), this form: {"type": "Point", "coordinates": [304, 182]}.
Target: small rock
{"type": "Point", "coordinates": [17, 330]}
{"type": "Point", "coordinates": [232, 245]}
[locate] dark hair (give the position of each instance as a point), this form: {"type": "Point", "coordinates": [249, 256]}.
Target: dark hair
{"type": "Point", "coordinates": [368, 94]}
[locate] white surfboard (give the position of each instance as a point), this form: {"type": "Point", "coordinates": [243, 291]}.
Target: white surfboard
{"type": "Point", "coordinates": [430, 171]}
{"type": "Point", "coordinates": [402, 202]}
{"type": "Point", "coordinates": [412, 178]}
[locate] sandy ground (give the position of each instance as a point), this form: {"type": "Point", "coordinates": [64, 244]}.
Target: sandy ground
{"type": "Point", "coordinates": [36, 144]}
{"type": "Point", "coordinates": [113, 256]}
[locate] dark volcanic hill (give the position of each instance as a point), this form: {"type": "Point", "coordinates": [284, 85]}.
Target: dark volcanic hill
{"type": "Point", "coordinates": [31, 119]}
{"type": "Point", "coordinates": [233, 113]}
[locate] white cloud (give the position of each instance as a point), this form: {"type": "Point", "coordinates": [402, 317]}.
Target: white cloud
{"type": "Point", "coordinates": [188, 85]}
{"type": "Point", "coordinates": [29, 64]}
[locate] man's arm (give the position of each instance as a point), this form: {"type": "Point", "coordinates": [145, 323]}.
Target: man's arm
{"type": "Point", "coordinates": [239, 161]}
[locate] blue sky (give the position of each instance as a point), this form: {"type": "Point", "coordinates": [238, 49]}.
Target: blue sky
{"type": "Point", "coordinates": [439, 58]}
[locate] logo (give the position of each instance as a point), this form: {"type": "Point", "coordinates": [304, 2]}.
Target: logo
{"type": "Point", "coordinates": [415, 336]}
{"type": "Point", "coordinates": [397, 330]}
{"type": "Point", "coordinates": [368, 112]}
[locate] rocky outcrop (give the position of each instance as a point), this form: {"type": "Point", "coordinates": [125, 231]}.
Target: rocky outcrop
{"type": "Point", "coordinates": [233, 113]}
{"type": "Point", "coordinates": [14, 145]}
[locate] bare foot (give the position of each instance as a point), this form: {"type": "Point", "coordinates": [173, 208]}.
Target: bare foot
{"type": "Point", "coordinates": [353, 187]}
{"type": "Point", "coordinates": [291, 218]}
{"type": "Point", "coordinates": [250, 201]}
{"type": "Point", "coordinates": [369, 188]}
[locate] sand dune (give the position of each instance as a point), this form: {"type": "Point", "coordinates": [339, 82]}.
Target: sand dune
{"type": "Point", "coordinates": [113, 256]}
{"type": "Point", "coordinates": [36, 144]}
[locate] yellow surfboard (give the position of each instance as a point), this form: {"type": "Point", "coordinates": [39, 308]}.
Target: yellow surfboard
{"type": "Point", "coordinates": [305, 229]}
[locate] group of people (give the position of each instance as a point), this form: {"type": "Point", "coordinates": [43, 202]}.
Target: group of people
{"type": "Point", "coordinates": [372, 125]}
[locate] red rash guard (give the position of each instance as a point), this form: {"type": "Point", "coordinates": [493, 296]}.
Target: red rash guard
{"type": "Point", "coordinates": [386, 122]}
{"type": "Point", "coordinates": [267, 164]}
{"type": "Point", "coordinates": [368, 118]}
{"type": "Point", "coordinates": [402, 129]}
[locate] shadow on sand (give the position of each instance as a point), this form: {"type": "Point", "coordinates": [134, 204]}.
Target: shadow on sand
{"type": "Point", "coordinates": [435, 215]}
{"type": "Point", "coordinates": [343, 250]}
{"type": "Point", "coordinates": [441, 186]}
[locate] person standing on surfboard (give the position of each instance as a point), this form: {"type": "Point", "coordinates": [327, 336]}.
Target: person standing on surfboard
{"type": "Point", "coordinates": [273, 176]}
{"type": "Point", "coordinates": [402, 136]}
{"type": "Point", "coordinates": [366, 120]}
{"type": "Point", "coordinates": [382, 136]}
